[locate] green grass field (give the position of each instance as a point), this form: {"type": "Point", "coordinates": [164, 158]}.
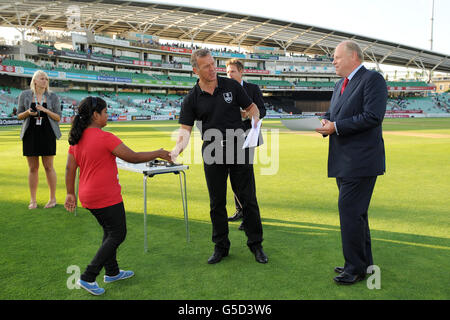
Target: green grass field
{"type": "Point", "coordinates": [409, 218]}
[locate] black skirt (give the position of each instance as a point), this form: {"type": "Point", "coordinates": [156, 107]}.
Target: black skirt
{"type": "Point", "coordinates": [39, 140]}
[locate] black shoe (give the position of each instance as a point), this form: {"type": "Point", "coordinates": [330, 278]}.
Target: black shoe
{"type": "Point", "coordinates": [236, 216]}
{"type": "Point", "coordinates": [341, 269]}
{"type": "Point", "coordinates": [217, 257]}
{"type": "Point", "coordinates": [241, 226]}
{"type": "Point", "coordinates": [260, 256]}
{"type": "Point", "coordinates": [347, 279]}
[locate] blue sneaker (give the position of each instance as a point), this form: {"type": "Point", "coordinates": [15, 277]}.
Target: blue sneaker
{"type": "Point", "coordinates": [121, 276]}
{"type": "Point", "coordinates": [91, 287]}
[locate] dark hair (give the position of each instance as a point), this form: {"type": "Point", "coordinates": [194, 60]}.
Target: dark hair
{"type": "Point", "coordinates": [83, 119]}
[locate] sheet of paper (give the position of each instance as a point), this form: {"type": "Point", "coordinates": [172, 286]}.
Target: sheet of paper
{"type": "Point", "coordinates": [252, 137]}
{"type": "Point", "coordinates": [304, 124]}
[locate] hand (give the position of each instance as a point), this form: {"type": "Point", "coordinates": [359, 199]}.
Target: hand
{"type": "Point", "coordinates": [165, 155]}
{"type": "Point", "coordinates": [253, 112]}
{"type": "Point", "coordinates": [71, 202]}
{"type": "Point", "coordinates": [174, 154]}
{"type": "Point", "coordinates": [327, 129]}
{"type": "Point", "coordinates": [244, 114]}
{"type": "Point", "coordinates": [32, 113]}
{"type": "Point", "coordinates": [41, 108]}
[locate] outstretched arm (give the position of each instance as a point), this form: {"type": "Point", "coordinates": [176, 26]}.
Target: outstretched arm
{"type": "Point", "coordinates": [128, 155]}
{"type": "Point", "coordinates": [184, 134]}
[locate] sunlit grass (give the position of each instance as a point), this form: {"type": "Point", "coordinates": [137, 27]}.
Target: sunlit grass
{"type": "Point", "coordinates": [409, 219]}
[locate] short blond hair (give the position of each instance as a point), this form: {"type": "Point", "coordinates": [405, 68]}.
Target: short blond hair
{"type": "Point", "coordinates": [235, 62]}
{"type": "Point", "coordinates": [33, 80]}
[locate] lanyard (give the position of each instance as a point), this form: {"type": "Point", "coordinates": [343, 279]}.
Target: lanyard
{"type": "Point", "coordinates": [43, 97]}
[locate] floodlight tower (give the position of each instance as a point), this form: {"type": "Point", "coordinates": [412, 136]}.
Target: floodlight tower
{"type": "Point", "coordinates": [432, 23]}
{"type": "Point", "coordinates": [430, 74]}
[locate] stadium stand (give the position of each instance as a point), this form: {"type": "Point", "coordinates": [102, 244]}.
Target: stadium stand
{"type": "Point", "coordinates": [110, 67]}
{"type": "Point", "coordinates": [269, 83]}
{"type": "Point", "coordinates": [407, 84]}
{"type": "Point", "coordinates": [436, 103]}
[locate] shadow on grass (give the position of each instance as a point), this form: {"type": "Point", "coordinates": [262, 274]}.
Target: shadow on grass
{"type": "Point", "coordinates": [301, 259]}
{"type": "Point", "coordinates": [376, 235]}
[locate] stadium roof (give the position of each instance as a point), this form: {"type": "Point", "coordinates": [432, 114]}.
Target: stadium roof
{"type": "Point", "coordinates": [207, 26]}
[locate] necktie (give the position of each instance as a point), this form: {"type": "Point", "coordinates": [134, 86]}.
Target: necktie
{"type": "Point", "coordinates": [344, 85]}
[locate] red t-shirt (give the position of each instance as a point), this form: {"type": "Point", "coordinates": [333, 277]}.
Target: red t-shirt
{"type": "Point", "coordinates": [99, 180]}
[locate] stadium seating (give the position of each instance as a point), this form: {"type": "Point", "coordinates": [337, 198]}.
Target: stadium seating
{"type": "Point", "coordinates": [432, 104]}
{"type": "Point", "coordinates": [407, 84]}
{"type": "Point", "coordinates": [189, 79]}
{"type": "Point", "coordinates": [125, 103]}
{"type": "Point", "coordinates": [315, 84]}
{"type": "Point", "coordinates": [275, 83]}
{"type": "Point", "coordinates": [133, 103]}
{"type": "Point", "coordinates": [183, 79]}
{"type": "Point", "coordinates": [19, 63]}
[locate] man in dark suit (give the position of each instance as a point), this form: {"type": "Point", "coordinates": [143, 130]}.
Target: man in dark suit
{"type": "Point", "coordinates": [235, 70]}
{"type": "Point", "coordinates": [356, 153]}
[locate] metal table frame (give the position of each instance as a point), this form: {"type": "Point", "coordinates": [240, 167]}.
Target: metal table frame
{"type": "Point", "coordinates": [150, 172]}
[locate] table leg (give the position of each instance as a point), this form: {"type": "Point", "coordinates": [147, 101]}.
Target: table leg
{"type": "Point", "coordinates": [145, 214]}
{"type": "Point", "coordinates": [184, 201]}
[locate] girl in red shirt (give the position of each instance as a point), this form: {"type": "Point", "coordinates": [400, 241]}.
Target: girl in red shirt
{"type": "Point", "coordinates": [95, 152]}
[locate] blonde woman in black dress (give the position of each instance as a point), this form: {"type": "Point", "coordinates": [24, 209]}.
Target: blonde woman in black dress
{"type": "Point", "coordinates": [41, 111]}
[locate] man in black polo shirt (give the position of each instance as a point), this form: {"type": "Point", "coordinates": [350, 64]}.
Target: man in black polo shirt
{"type": "Point", "coordinates": [217, 102]}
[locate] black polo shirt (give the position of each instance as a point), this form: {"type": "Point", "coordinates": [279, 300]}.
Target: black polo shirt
{"type": "Point", "coordinates": [221, 110]}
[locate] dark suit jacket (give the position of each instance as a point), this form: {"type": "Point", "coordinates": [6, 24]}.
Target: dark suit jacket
{"type": "Point", "coordinates": [255, 94]}
{"type": "Point", "coordinates": [358, 148]}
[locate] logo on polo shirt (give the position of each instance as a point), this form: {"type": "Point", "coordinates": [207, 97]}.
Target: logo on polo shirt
{"type": "Point", "coordinates": [228, 97]}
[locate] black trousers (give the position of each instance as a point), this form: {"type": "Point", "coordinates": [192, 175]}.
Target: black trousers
{"type": "Point", "coordinates": [113, 221]}
{"type": "Point", "coordinates": [242, 180]}
{"type": "Point", "coordinates": [353, 203]}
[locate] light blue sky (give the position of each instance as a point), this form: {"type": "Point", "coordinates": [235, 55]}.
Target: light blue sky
{"type": "Point", "coordinates": [401, 21]}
